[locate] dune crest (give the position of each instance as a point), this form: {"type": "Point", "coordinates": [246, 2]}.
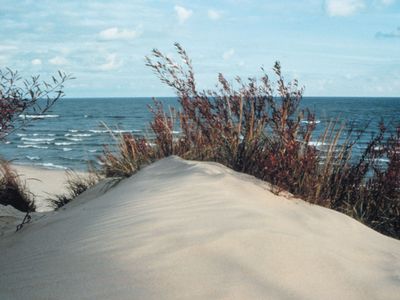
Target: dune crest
{"type": "Point", "coordinates": [195, 230]}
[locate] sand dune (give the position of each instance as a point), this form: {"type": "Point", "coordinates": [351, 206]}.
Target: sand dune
{"type": "Point", "coordinates": [191, 230]}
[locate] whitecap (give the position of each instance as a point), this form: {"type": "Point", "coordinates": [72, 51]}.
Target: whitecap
{"type": "Point", "coordinates": [32, 146]}
{"type": "Point", "coordinates": [33, 157]}
{"type": "Point", "coordinates": [38, 116]}
{"type": "Point", "coordinates": [121, 131]}
{"type": "Point", "coordinates": [67, 149]}
{"type": "Point", "coordinates": [311, 122]}
{"type": "Point", "coordinates": [37, 139]}
{"type": "Point", "coordinates": [98, 131]}
{"type": "Point", "coordinates": [64, 143]}
{"type": "Point", "coordinates": [74, 139]}
{"type": "Point", "coordinates": [36, 143]}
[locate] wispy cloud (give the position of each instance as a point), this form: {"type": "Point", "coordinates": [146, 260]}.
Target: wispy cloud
{"type": "Point", "coordinates": [58, 61]}
{"type": "Point", "coordinates": [228, 54]}
{"type": "Point", "coordinates": [112, 63]}
{"type": "Point", "coordinates": [114, 33]}
{"type": "Point", "coordinates": [36, 62]}
{"type": "Point", "coordinates": [387, 2]}
{"type": "Point", "coordinates": [343, 8]}
{"type": "Point", "coordinates": [389, 35]}
{"type": "Point", "coordinates": [183, 14]}
{"type": "Point", "coordinates": [213, 14]}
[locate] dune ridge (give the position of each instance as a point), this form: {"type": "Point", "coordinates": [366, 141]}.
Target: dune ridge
{"type": "Point", "coordinates": [196, 230]}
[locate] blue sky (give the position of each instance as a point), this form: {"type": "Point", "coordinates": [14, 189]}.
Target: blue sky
{"type": "Point", "coordinates": [333, 47]}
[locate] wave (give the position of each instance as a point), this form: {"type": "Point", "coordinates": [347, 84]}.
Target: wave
{"type": "Point", "coordinates": [74, 139]}
{"type": "Point", "coordinates": [67, 149]}
{"type": "Point", "coordinates": [51, 166]}
{"type": "Point", "coordinates": [92, 150]}
{"type": "Point", "coordinates": [310, 122]}
{"type": "Point", "coordinates": [33, 157]}
{"type": "Point", "coordinates": [64, 143]}
{"type": "Point", "coordinates": [37, 139]}
{"type": "Point", "coordinates": [113, 131]}
{"type": "Point", "coordinates": [38, 116]}
{"type": "Point", "coordinates": [121, 131]}
{"type": "Point", "coordinates": [98, 131]}
{"type": "Point", "coordinates": [32, 146]}
{"type": "Point", "coordinates": [73, 130]}
{"type": "Point", "coordinates": [78, 134]}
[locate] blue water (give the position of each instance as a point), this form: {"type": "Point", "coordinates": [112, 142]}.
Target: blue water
{"type": "Point", "coordinates": [73, 132]}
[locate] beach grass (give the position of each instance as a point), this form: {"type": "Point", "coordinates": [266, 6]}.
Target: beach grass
{"type": "Point", "coordinates": [76, 184]}
{"type": "Point", "coordinates": [13, 190]}
{"type": "Point", "coordinates": [256, 127]}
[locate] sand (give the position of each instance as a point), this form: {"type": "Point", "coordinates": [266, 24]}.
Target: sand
{"type": "Point", "coordinates": [191, 230]}
{"type": "Point", "coordinates": [43, 183]}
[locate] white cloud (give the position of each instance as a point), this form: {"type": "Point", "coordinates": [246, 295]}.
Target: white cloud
{"type": "Point", "coordinates": [387, 2]}
{"type": "Point", "coordinates": [58, 61]}
{"type": "Point", "coordinates": [213, 14]}
{"type": "Point", "coordinates": [112, 63]}
{"type": "Point", "coordinates": [342, 8]}
{"type": "Point", "coordinates": [36, 62]}
{"type": "Point", "coordinates": [114, 33]}
{"type": "Point", "coordinates": [183, 13]}
{"type": "Point", "coordinates": [228, 54]}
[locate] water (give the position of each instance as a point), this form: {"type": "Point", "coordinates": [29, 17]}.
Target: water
{"type": "Point", "coordinates": [73, 133]}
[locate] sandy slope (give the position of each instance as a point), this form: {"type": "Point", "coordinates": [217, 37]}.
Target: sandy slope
{"type": "Point", "coordinates": [189, 230]}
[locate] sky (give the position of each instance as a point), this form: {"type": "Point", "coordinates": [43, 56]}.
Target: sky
{"type": "Point", "coordinates": [333, 47]}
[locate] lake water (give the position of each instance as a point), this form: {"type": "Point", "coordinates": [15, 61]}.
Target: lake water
{"type": "Point", "coordinates": [73, 132]}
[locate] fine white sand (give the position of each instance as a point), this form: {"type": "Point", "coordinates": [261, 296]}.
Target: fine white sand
{"type": "Point", "coordinates": [43, 184]}
{"type": "Point", "coordinates": [191, 230]}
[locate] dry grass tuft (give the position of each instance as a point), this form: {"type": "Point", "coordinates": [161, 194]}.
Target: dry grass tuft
{"type": "Point", "coordinates": [76, 185]}
{"type": "Point", "coordinates": [13, 190]}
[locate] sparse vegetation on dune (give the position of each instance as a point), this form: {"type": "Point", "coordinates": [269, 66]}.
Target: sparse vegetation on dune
{"type": "Point", "coordinates": [256, 127]}
{"type": "Point", "coordinates": [76, 184]}
{"type": "Point", "coordinates": [13, 190]}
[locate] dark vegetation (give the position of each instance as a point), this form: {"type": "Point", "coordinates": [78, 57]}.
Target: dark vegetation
{"type": "Point", "coordinates": [17, 97]}
{"type": "Point", "coordinates": [13, 191]}
{"type": "Point", "coordinates": [256, 127]}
